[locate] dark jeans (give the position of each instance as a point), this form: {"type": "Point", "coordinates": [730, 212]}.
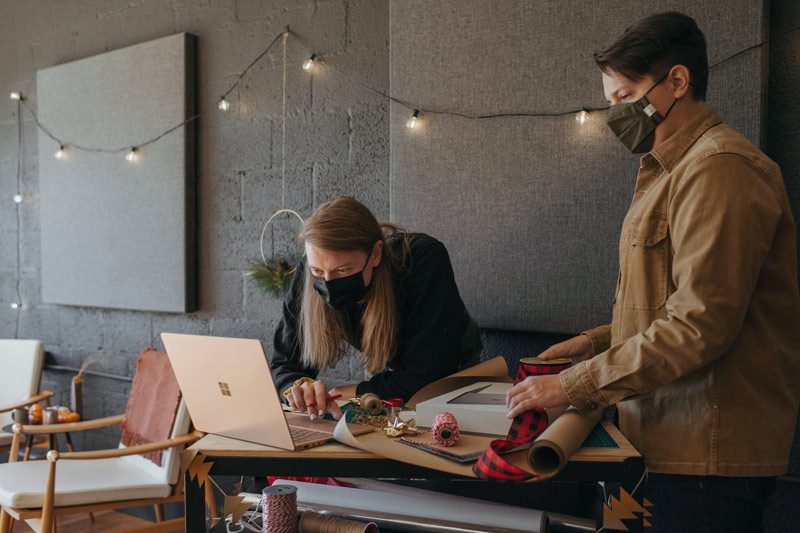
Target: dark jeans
{"type": "Point", "coordinates": [707, 503]}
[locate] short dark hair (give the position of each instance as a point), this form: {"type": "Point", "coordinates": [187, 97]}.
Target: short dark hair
{"type": "Point", "coordinates": [654, 45]}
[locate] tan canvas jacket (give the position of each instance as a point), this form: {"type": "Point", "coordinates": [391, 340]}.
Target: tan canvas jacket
{"type": "Point", "coordinates": [702, 356]}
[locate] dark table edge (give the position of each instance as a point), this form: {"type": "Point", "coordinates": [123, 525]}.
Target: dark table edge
{"type": "Point", "coordinates": [628, 473]}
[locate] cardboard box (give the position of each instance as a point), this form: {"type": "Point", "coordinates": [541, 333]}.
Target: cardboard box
{"type": "Point", "coordinates": [479, 408]}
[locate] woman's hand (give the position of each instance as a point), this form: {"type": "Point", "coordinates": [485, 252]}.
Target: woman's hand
{"type": "Point", "coordinates": [346, 392]}
{"type": "Point", "coordinates": [577, 348]}
{"type": "Point", "coordinates": [535, 391]}
{"type": "Point", "coordinates": [312, 398]}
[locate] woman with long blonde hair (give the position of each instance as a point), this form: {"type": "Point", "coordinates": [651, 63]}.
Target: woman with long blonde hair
{"type": "Point", "coordinates": [390, 294]}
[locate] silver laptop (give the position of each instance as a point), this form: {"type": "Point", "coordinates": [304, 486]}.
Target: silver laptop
{"type": "Point", "coordinates": [228, 389]}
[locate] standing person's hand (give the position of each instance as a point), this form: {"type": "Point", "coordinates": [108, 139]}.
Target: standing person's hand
{"type": "Point", "coordinates": [535, 391]}
{"type": "Point", "coordinates": [577, 348]}
{"type": "Point", "coordinates": [312, 398]}
{"type": "Point", "coordinates": [546, 391]}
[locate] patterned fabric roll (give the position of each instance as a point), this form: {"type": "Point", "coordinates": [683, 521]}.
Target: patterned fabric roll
{"type": "Point", "coordinates": [533, 366]}
{"type": "Point", "coordinates": [524, 429]}
{"type": "Point", "coordinates": [445, 429]}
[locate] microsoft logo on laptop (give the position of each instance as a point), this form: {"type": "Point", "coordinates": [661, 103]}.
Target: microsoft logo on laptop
{"type": "Point", "coordinates": [224, 388]}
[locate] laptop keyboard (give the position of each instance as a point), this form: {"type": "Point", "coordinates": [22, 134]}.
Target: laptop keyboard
{"type": "Point", "coordinates": [300, 434]}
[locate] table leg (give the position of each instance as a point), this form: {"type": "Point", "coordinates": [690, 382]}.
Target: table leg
{"type": "Point", "coordinates": [194, 506]}
{"type": "Point", "coordinates": [70, 447]}
{"type": "Point", "coordinates": [53, 442]}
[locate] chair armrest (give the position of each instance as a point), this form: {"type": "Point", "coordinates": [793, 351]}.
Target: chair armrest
{"type": "Point", "coordinates": [132, 450]}
{"type": "Point", "coordinates": [68, 427]}
{"type": "Point", "coordinates": [45, 394]}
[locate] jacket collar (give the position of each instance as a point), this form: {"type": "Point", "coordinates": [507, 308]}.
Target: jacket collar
{"type": "Point", "coordinates": [670, 151]}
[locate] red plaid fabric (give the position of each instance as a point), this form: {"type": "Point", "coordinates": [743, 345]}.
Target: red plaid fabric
{"type": "Point", "coordinates": [524, 429]}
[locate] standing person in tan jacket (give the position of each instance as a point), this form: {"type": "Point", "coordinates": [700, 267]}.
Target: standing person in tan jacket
{"type": "Point", "coordinates": [702, 357]}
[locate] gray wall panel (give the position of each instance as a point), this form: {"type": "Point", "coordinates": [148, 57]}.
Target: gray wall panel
{"type": "Point", "coordinates": [114, 232]}
{"type": "Point", "coordinates": [530, 208]}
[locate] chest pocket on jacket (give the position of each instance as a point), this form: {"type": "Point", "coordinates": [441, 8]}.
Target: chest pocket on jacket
{"type": "Point", "coordinates": [646, 269]}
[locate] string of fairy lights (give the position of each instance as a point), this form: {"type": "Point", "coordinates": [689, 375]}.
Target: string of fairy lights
{"type": "Point", "coordinates": [417, 116]}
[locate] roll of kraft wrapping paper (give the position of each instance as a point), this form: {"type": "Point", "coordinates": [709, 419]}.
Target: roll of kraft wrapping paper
{"type": "Point", "coordinates": [311, 522]}
{"type": "Point", "coordinates": [524, 429]}
{"type": "Point", "coordinates": [407, 512]}
{"type": "Point", "coordinates": [553, 448]}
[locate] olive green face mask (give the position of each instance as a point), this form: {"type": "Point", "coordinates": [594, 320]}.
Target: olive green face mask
{"type": "Point", "coordinates": [634, 123]}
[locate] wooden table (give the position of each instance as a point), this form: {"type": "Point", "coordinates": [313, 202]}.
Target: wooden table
{"type": "Point", "coordinates": [233, 457]}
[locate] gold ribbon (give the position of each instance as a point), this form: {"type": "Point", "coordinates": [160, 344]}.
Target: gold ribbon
{"type": "Point", "coordinates": [297, 383]}
{"type": "Point", "coordinates": [398, 428]}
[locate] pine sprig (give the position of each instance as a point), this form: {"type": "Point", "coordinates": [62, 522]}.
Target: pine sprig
{"type": "Point", "coordinates": [272, 275]}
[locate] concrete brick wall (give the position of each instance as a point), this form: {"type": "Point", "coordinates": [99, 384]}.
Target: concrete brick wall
{"type": "Point", "coordinates": [336, 143]}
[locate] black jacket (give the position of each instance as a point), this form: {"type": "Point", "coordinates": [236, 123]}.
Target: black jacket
{"type": "Point", "coordinates": [436, 335]}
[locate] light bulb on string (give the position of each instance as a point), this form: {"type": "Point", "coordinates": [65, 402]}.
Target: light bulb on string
{"type": "Point", "coordinates": [16, 95]}
{"type": "Point", "coordinates": [132, 155]}
{"type": "Point", "coordinates": [223, 104]}
{"type": "Point", "coordinates": [413, 122]}
{"type": "Point", "coordinates": [60, 152]}
{"type": "Point", "coordinates": [308, 64]}
{"type": "Point", "coordinates": [582, 117]}
{"type": "Point", "coordinates": [18, 198]}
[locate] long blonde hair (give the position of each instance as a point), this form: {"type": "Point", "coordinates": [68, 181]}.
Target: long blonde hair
{"type": "Point", "coordinates": [345, 224]}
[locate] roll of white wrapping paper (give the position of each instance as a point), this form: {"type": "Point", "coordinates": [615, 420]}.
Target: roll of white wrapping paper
{"type": "Point", "coordinates": [455, 510]}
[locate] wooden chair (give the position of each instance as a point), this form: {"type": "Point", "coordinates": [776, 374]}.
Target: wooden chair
{"type": "Point", "coordinates": [21, 363]}
{"type": "Point", "coordinates": [92, 481]}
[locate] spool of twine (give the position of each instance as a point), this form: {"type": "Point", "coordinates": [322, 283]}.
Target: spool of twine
{"type": "Point", "coordinates": [445, 429]}
{"type": "Point", "coordinates": [316, 523]}
{"type": "Point", "coordinates": [371, 403]}
{"type": "Point", "coordinates": [279, 504]}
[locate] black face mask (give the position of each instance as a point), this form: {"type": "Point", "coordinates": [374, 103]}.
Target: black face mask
{"type": "Point", "coordinates": [634, 123]}
{"type": "Point", "coordinates": [342, 293]}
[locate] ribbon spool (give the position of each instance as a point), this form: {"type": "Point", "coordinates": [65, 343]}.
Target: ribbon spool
{"type": "Point", "coordinates": [371, 403]}
{"type": "Point", "coordinates": [524, 429]}
{"type": "Point", "coordinates": [312, 522]}
{"type": "Point", "coordinates": [445, 429]}
{"type": "Point", "coordinates": [269, 221]}
{"type": "Point", "coordinates": [533, 366]}
{"type": "Point", "coordinates": [279, 505]}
